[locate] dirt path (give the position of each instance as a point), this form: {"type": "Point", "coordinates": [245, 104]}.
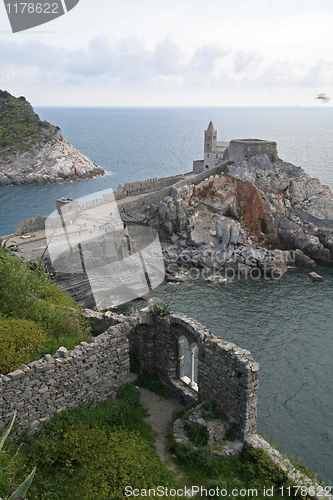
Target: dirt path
{"type": "Point", "coordinates": [160, 411]}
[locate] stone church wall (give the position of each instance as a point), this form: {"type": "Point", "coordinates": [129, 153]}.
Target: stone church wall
{"type": "Point", "coordinates": [227, 374]}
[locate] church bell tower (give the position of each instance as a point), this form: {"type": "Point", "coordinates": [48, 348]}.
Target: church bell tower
{"type": "Point", "coordinates": [210, 138]}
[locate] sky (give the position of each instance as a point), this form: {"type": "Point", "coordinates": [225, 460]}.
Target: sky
{"type": "Point", "coordinates": [174, 53]}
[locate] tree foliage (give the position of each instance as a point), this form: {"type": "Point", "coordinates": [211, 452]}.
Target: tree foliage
{"type": "Point", "coordinates": [20, 126]}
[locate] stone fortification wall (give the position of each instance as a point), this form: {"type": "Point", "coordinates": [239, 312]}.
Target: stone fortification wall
{"type": "Point", "coordinates": [198, 166]}
{"type": "Point", "coordinates": [140, 187]}
{"type": "Point", "coordinates": [242, 149]}
{"type": "Point", "coordinates": [146, 200]}
{"type": "Point", "coordinates": [38, 223]}
{"type": "Point", "coordinates": [29, 225]}
{"type": "Point", "coordinates": [46, 387]}
{"type": "Point", "coordinates": [227, 374]}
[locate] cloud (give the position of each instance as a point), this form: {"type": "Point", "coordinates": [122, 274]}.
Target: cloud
{"type": "Point", "coordinates": [204, 59]}
{"type": "Point", "coordinates": [245, 61]}
{"type": "Point", "coordinates": [127, 62]}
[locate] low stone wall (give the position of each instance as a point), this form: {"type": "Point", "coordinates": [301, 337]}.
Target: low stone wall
{"type": "Point", "coordinates": [227, 374]}
{"type": "Point", "coordinates": [303, 485]}
{"type": "Point", "coordinates": [50, 385]}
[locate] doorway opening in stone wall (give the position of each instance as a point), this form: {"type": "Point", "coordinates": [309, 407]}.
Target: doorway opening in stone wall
{"type": "Point", "coordinates": [187, 364]}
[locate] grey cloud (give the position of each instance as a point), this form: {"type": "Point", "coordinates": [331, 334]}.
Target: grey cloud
{"type": "Point", "coordinates": [166, 59]}
{"type": "Point", "coordinates": [204, 58]}
{"type": "Point", "coordinates": [129, 62]}
{"type": "Point", "coordinates": [244, 60]}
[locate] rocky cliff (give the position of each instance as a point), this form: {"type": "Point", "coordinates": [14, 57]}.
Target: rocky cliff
{"type": "Point", "coordinates": [34, 152]}
{"type": "Point", "coordinates": [254, 215]}
{"type": "Point", "coordinates": [45, 163]}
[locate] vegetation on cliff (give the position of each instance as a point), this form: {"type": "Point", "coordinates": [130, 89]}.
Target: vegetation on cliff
{"type": "Point", "coordinates": [94, 451]}
{"type": "Point", "coordinates": [89, 452]}
{"type": "Point", "coordinates": [35, 316]}
{"type": "Point", "coordinates": [20, 126]}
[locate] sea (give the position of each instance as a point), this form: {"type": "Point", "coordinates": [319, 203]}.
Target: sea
{"type": "Point", "coordinates": [287, 324]}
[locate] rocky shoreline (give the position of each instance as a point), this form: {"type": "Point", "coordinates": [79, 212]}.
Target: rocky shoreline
{"type": "Point", "coordinates": [253, 217]}
{"type": "Point", "coordinates": [47, 162]}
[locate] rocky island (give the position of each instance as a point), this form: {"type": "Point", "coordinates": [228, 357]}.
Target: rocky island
{"type": "Point", "coordinates": [33, 151]}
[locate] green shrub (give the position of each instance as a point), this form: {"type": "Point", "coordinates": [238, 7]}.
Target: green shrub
{"type": "Point", "coordinates": [94, 463]}
{"type": "Point", "coordinates": [201, 458]}
{"type": "Point", "coordinates": [130, 394]}
{"type": "Point", "coordinates": [29, 295]}
{"type": "Point", "coordinates": [262, 470]}
{"type": "Point", "coordinates": [21, 340]}
{"type": "Point", "coordinates": [213, 411]}
{"type": "Point", "coordinates": [21, 127]}
{"type": "Point", "coordinates": [160, 309]}
{"type": "Point", "coordinates": [198, 434]}
{"type": "Point", "coordinates": [178, 413]}
{"type": "Point", "coordinates": [230, 435]}
{"type": "Point", "coordinates": [93, 451]}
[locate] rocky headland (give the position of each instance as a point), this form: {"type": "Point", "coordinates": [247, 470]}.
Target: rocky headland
{"type": "Point", "coordinates": [33, 151]}
{"type": "Point", "coordinates": [254, 216]}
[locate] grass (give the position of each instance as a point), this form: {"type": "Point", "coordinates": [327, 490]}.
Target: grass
{"type": "Point", "coordinates": [90, 452]}
{"type": "Point", "coordinates": [35, 316]}
{"type": "Point", "coordinates": [93, 451]}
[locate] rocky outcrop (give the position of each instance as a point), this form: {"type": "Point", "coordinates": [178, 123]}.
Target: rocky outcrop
{"type": "Point", "coordinates": [47, 162]}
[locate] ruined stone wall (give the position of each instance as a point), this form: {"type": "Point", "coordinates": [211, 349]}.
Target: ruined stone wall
{"type": "Point", "coordinates": [50, 385]}
{"type": "Point", "coordinates": [227, 374]}
{"type": "Point", "coordinates": [29, 225]}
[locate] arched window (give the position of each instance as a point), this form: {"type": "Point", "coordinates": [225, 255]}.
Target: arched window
{"type": "Point", "coordinates": [187, 369]}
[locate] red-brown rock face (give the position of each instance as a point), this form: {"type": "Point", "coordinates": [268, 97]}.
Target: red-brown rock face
{"type": "Point", "coordinates": [245, 202]}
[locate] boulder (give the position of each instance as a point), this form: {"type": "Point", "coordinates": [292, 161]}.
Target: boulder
{"type": "Point", "coordinates": [198, 236]}
{"type": "Point", "coordinates": [303, 260]}
{"type": "Point", "coordinates": [316, 277]}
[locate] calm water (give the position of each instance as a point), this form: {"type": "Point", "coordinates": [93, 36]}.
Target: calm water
{"type": "Point", "coordinates": [286, 324]}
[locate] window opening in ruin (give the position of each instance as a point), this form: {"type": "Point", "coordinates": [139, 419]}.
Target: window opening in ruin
{"type": "Point", "coordinates": [188, 362]}
{"type": "Point", "coordinates": [259, 148]}
{"type": "Point", "coordinates": [249, 148]}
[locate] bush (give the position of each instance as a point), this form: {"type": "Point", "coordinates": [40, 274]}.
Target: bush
{"type": "Point", "coordinates": [160, 309]}
{"type": "Point", "coordinates": [213, 411]}
{"type": "Point", "coordinates": [93, 451]}
{"type": "Point", "coordinates": [130, 394]}
{"type": "Point", "coordinates": [29, 295]}
{"type": "Point", "coordinates": [198, 434]}
{"type": "Point", "coordinates": [21, 341]}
